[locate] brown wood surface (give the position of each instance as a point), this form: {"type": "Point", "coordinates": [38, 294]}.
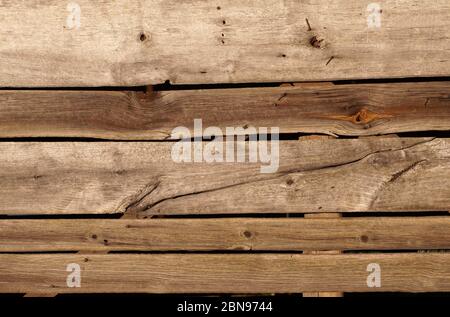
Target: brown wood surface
{"type": "Point", "coordinates": [140, 42]}
{"type": "Point", "coordinates": [325, 216]}
{"type": "Point", "coordinates": [221, 228]}
{"type": "Point", "coordinates": [348, 110]}
{"type": "Point", "coordinates": [370, 174]}
{"type": "Point", "coordinates": [270, 234]}
{"type": "Point", "coordinates": [224, 273]}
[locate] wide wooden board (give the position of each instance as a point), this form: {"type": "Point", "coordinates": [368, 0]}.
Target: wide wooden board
{"type": "Point", "coordinates": [140, 42]}
{"type": "Point", "coordinates": [348, 110]}
{"type": "Point", "coordinates": [219, 273]}
{"type": "Point", "coordinates": [370, 174]}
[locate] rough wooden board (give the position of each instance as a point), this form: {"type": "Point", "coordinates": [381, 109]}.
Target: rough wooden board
{"type": "Point", "coordinates": [271, 234]}
{"type": "Point", "coordinates": [356, 110]}
{"type": "Point", "coordinates": [223, 273]}
{"type": "Point", "coordinates": [401, 179]}
{"type": "Point", "coordinates": [372, 174]}
{"type": "Point", "coordinates": [143, 42]}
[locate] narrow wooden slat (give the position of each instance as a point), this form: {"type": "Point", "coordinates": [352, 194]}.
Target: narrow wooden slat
{"type": "Point", "coordinates": [272, 234]}
{"type": "Point", "coordinates": [372, 174]}
{"type": "Point", "coordinates": [141, 42]}
{"type": "Point", "coordinates": [356, 110]}
{"type": "Point", "coordinates": [216, 273]}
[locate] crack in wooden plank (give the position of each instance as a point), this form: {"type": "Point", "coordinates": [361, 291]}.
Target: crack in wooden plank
{"type": "Point", "coordinates": [394, 177]}
{"type": "Point", "coordinates": [130, 207]}
{"type": "Point", "coordinates": [404, 171]}
{"type": "Point", "coordinates": [140, 208]}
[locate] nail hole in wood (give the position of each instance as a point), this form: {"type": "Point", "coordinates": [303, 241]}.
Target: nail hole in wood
{"type": "Point", "coordinates": [142, 37]}
{"type": "Point", "coordinates": [315, 42]}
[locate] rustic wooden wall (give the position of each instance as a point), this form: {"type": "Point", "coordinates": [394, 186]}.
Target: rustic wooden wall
{"type": "Point", "coordinates": [91, 91]}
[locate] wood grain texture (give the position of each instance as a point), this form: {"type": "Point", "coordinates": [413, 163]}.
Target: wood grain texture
{"type": "Point", "coordinates": [218, 273]}
{"type": "Point", "coordinates": [349, 110]}
{"type": "Point", "coordinates": [325, 216]}
{"type": "Point", "coordinates": [143, 42]}
{"type": "Point", "coordinates": [370, 174]}
{"type": "Point", "coordinates": [271, 234]}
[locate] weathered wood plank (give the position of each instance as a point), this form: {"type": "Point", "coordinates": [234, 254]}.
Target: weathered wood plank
{"type": "Point", "coordinates": [371, 174]}
{"type": "Point", "coordinates": [141, 42]}
{"type": "Point", "coordinates": [272, 234]}
{"type": "Point", "coordinates": [219, 273]}
{"type": "Point", "coordinates": [353, 110]}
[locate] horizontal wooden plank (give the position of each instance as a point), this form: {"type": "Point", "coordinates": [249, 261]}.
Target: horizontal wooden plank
{"type": "Point", "coordinates": [219, 273]}
{"type": "Point", "coordinates": [350, 110]}
{"type": "Point", "coordinates": [271, 234]}
{"type": "Point", "coordinates": [138, 42]}
{"type": "Point", "coordinates": [370, 174]}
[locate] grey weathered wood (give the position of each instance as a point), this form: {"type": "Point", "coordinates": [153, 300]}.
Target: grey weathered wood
{"type": "Point", "coordinates": [371, 174]}
{"type": "Point", "coordinates": [271, 234]}
{"type": "Point", "coordinates": [143, 42]}
{"type": "Point", "coordinates": [355, 110]}
{"type": "Point", "coordinates": [223, 273]}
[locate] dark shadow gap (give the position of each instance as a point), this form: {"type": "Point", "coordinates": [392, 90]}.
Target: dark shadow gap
{"type": "Point", "coordinates": [391, 80]}
{"type": "Point", "coordinates": [216, 252]}
{"type": "Point", "coordinates": [425, 134]}
{"type": "Point", "coordinates": [100, 89]}
{"type": "Point", "coordinates": [63, 216]}
{"type": "Point", "coordinates": [403, 251]}
{"type": "Point", "coordinates": [230, 251]}
{"type": "Point", "coordinates": [119, 215]}
{"type": "Point", "coordinates": [282, 137]}
{"type": "Point", "coordinates": [225, 216]}
{"type": "Point", "coordinates": [194, 297]}
{"type": "Point", "coordinates": [234, 251]}
{"type": "Point", "coordinates": [167, 85]}
{"type": "Point", "coordinates": [40, 252]}
{"type": "Point", "coordinates": [395, 214]}
{"type": "Point", "coordinates": [397, 294]}
{"type": "Point", "coordinates": [219, 216]}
